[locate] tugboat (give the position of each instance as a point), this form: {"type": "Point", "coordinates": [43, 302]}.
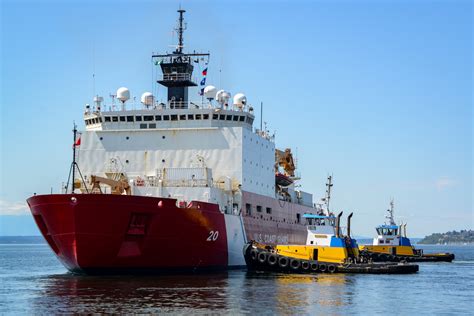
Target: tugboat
{"type": "Point", "coordinates": [392, 244]}
{"type": "Point", "coordinates": [326, 250]}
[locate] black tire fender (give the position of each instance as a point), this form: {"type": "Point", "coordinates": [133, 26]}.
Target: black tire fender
{"type": "Point", "coordinates": [295, 264]}
{"type": "Point", "coordinates": [331, 268]}
{"type": "Point", "coordinates": [262, 257]}
{"type": "Point", "coordinates": [305, 265]}
{"type": "Point", "coordinates": [314, 266]}
{"type": "Point", "coordinates": [322, 267]}
{"type": "Point", "coordinates": [272, 259]}
{"type": "Point", "coordinates": [254, 254]}
{"type": "Point", "coordinates": [283, 262]}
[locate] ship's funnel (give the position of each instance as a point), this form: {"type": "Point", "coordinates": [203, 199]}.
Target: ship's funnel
{"type": "Point", "coordinates": [338, 225]}
{"type": "Point", "coordinates": [349, 224]}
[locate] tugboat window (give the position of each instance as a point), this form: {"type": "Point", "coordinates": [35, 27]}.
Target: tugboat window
{"type": "Point", "coordinates": [259, 208]}
{"type": "Point", "coordinates": [269, 210]}
{"type": "Point", "coordinates": [248, 209]}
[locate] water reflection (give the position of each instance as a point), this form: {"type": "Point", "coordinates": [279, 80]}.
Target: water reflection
{"type": "Point", "coordinates": [294, 293]}
{"type": "Point", "coordinates": [120, 294]}
{"type": "Point", "coordinates": [234, 292]}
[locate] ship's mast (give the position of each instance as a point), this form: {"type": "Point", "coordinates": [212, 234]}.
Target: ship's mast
{"type": "Point", "coordinates": [328, 192]}
{"type": "Point", "coordinates": [180, 29]}
{"type": "Point", "coordinates": [177, 68]}
{"type": "Point", "coordinates": [390, 218]}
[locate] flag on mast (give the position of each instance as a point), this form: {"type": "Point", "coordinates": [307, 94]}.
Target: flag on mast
{"type": "Point", "coordinates": [203, 81]}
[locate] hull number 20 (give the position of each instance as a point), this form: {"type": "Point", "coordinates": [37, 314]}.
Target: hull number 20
{"type": "Point", "coordinates": [213, 235]}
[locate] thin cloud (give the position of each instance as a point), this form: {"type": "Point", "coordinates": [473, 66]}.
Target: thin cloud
{"type": "Point", "coordinates": [444, 183]}
{"type": "Point", "coordinates": [13, 208]}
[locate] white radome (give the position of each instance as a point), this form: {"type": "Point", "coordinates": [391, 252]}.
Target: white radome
{"type": "Point", "coordinates": [210, 92]}
{"type": "Point", "coordinates": [123, 94]}
{"type": "Point", "coordinates": [147, 99]}
{"type": "Point", "coordinates": [240, 100]}
{"type": "Point", "coordinates": [222, 97]}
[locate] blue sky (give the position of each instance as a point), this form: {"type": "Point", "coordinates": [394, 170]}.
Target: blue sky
{"type": "Point", "coordinates": [376, 93]}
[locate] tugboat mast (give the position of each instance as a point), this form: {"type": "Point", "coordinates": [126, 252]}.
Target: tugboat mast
{"type": "Point", "coordinates": [390, 214]}
{"type": "Point", "coordinates": [328, 192]}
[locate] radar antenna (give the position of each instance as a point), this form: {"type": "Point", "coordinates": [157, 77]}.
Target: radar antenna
{"type": "Point", "coordinates": [390, 218]}
{"type": "Point", "coordinates": [180, 29]}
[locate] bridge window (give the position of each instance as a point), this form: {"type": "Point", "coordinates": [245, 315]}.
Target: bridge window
{"type": "Point", "coordinates": [115, 119]}
{"type": "Point", "coordinates": [122, 119]}
{"type": "Point", "coordinates": [215, 116]}
{"type": "Point", "coordinates": [182, 117]}
{"type": "Point", "coordinates": [158, 117]}
{"type": "Point", "coordinates": [152, 125]}
{"type": "Point", "coordinates": [148, 118]}
{"type": "Point", "coordinates": [107, 118]}
{"type": "Point", "coordinates": [166, 117]}
{"type": "Point", "coordinates": [174, 117]}
{"type": "Point", "coordinates": [222, 117]}
{"type": "Point", "coordinates": [138, 118]}
{"type": "Point", "coordinates": [229, 118]}
{"type": "Point", "coordinates": [143, 126]}
{"type": "Point", "coordinates": [236, 118]}
{"type": "Point", "coordinates": [242, 118]}
{"type": "Point", "coordinates": [205, 116]}
{"type": "Point", "coordinates": [259, 208]}
{"type": "Point", "coordinates": [130, 118]}
{"type": "Point", "coordinates": [190, 117]}
{"type": "Point", "coordinates": [198, 116]}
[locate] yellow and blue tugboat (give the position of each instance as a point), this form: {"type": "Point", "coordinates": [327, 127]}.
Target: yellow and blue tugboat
{"type": "Point", "coordinates": [326, 250]}
{"type": "Point", "coordinates": [392, 244]}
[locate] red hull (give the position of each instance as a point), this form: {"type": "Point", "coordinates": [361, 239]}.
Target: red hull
{"type": "Point", "coordinates": [116, 232]}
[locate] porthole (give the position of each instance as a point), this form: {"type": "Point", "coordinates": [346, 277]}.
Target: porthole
{"type": "Point", "coordinates": [126, 161]}
{"type": "Point", "coordinates": [162, 160]}
{"type": "Point", "coordinates": [127, 138]}
{"type": "Point", "coordinates": [101, 138]}
{"type": "Point", "coordinates": [163, 136]}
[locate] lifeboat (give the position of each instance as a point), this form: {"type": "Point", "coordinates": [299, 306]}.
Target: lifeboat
{"type": "Point", "coordinates": [282, 179]}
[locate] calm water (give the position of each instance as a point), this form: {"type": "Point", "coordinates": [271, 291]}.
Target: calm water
{"type": "Point", "coordinates": [32, 281]}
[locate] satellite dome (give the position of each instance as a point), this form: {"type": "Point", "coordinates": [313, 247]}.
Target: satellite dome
{"type": "Point", "coordinates": [123, 94]}
{"type": "Point", "coordinates": [147, 99]}
{"type": "Point", "coordinates": [240, 100]}
{"type": "Point", "coordinates": [210, 92]}
{"type": "Point", "coordinates": [222, 97]}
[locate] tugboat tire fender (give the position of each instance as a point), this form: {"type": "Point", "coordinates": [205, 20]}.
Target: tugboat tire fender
{"type": "Point", "coordinates": [305, 265]}
{"type": "Point", "coordinates": [262, 257]}
{"type": "Point", "coordinates": [283, 262]}
{"type": "Point", "coordinates": [295, 264]}
{"type": "Point", "coordinates": [331, 268]}
{"type": "Point", "coordinates": [322, 267]}
{"type": "Point", "coordinates": [314, 266]}
{"type": "Point", "coordinates": [272, 259]}
{"type": "Point", "coordinates": [254, 254]}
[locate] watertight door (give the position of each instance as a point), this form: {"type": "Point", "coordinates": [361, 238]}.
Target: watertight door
{"type": "Point", "coordinates": [315, 254]}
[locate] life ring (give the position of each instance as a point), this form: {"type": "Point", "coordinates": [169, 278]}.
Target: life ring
{"type": "Point", "coordinates": [331, 268]}
{"type": "Point", "coordinates": [295, 264]}
{"type": "Point", "coordinates": [254, 254]}
{"type": "Point", "coordinates": [314, 266]}
{"type": "Point", "coordinates": [272, 259]}
{"type": "Point", "coordinates": [262, 257]}
{"type": "Point", "coordinates": [305, 265]}
{"type": "Point", "coordinates": [322, 267]}
{"type": "Point", "coordinates": [283, 262]}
